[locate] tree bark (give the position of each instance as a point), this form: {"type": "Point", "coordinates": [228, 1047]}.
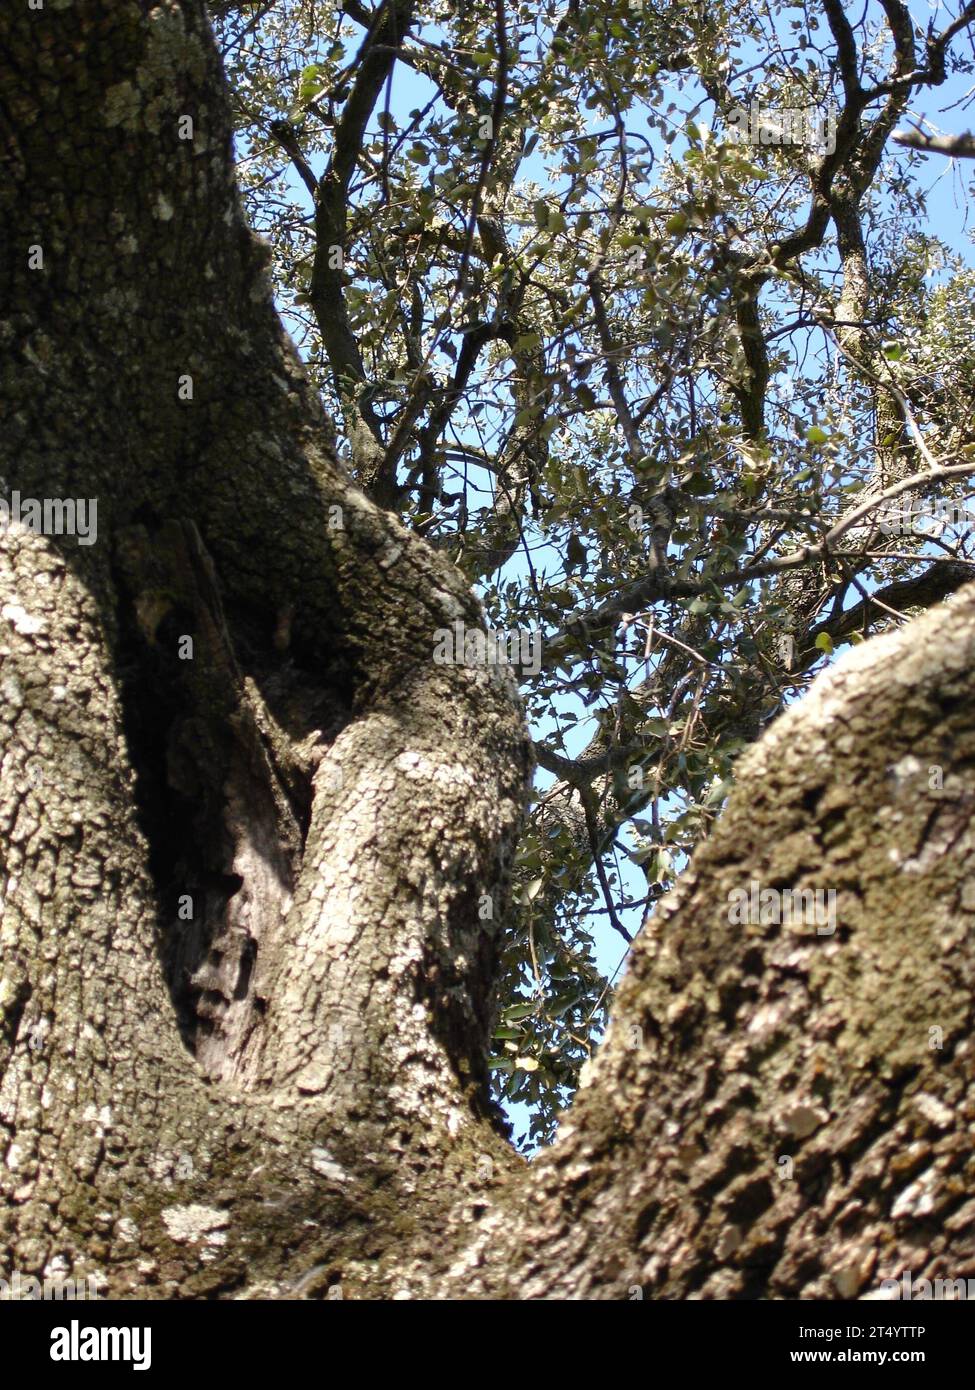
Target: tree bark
{"type": "Point", "coordinates": [779, 1112]}
{"type": "Point", "coordinates": [275, 852]}
{"type": "Point", "coordinates": [255, 841]}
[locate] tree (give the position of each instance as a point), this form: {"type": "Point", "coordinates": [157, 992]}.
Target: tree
{"type": "Point", "coordinates": [258, 843]}
{"type": "Point", "coordinates": [568, 327]}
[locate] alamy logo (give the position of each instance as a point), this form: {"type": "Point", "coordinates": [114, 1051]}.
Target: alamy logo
{"type": "Point", "coordinates": [463, 646]}
{"type": "Point", "coordinates": [788, 907]}
{"type": "Point", "coordinates": [52, 516]}
{"type": "Point", "coordinates": [927, 1290]}
{"type": "Point", "coordinates": [785, 125]}
{"type": "Point", "coordinates": [917, 517]}
{"type": "Point", "coordinates": [77, 1343]}
{"type": "Point", "coordinates": [18, 1288]}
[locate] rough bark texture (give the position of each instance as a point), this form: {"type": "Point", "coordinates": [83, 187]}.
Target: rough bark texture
{"type": "Point", "coordinates": [327, 803]}
{"type": "Point", "coordinates": [778, 1112]}
{"type": "Point", "coordinates": [244, 959]}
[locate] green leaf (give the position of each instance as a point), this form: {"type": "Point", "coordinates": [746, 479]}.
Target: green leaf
{"type": "Point", "coordinates": [518, 1011]}
{"type": "Point", "coordinates": [654, 725]}
{"type": "Point", "coordinates": [575, 553]}
{"type": "Point", "coordinates": [698, 485]}
{"type": "Point", "coordinates": [311, 83]}
{"type": "Point", "coordinates": [531, 890]}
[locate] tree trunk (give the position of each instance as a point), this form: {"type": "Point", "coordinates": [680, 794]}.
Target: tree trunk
{"type": "Point", "coordinates": [255, 841]}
